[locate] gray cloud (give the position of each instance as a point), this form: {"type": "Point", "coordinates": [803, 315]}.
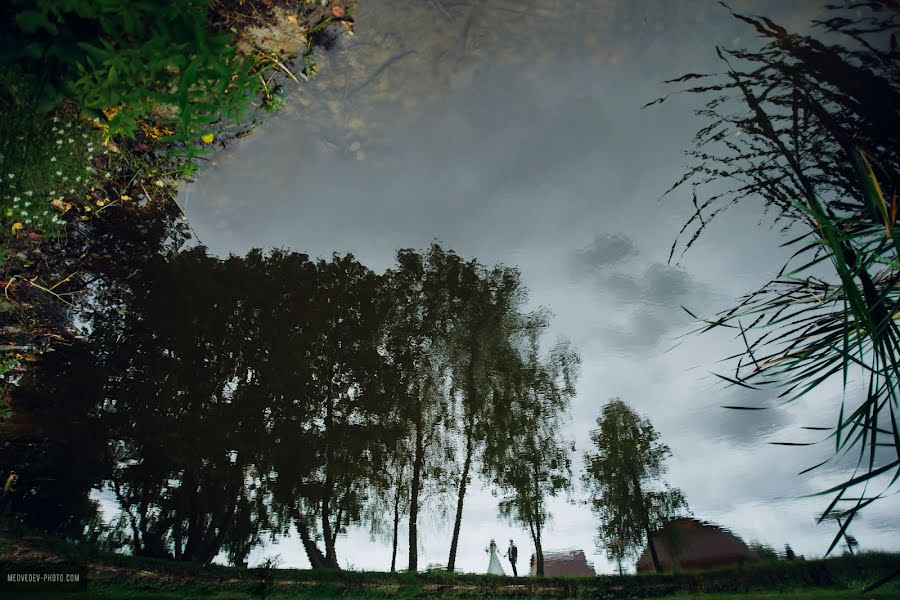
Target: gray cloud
{"type": "Point", "coordinates": [605, 251]}
{"type": "Point", "coordinates": [652, 300]}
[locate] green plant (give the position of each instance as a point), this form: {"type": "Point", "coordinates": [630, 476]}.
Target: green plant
{"type": "Point", "coordinates": [273, 99]}
{"type": "Point", "coordinates": [809, 130]}
{"type": "Point", "coordinates": [122, 61]}
{"type": "Point", "coordinates": [44, 159]}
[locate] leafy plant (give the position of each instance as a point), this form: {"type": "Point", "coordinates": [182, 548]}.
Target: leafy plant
{"type": "Point", "coordinates": [45, 162]}
{"type": "Point", "coordinates": [123, 61]}
{"type": "Point", "coordinates": [816, 138]}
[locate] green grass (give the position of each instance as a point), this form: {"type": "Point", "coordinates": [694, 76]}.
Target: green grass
{"type": "Point", "coordinates": [319, 594]}
{"type": "Point", "coordinates": [120, 576]}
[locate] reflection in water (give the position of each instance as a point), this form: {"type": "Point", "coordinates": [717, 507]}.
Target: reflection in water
{"type": "Point", "coordinates": [224, 399]}
{"type": "Point", "coordinates": [222, 402]}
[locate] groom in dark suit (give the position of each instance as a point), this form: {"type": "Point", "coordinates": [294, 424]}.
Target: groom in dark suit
{"type": "Point", "coordinates": [512, 554]}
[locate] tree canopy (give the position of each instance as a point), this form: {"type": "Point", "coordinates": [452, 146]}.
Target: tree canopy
{"type": "Point", "coordinates": [623, 475]}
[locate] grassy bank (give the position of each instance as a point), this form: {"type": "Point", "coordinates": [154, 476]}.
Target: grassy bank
{"type": "Point", "coordinates": [310, 594]}
{"type": "Point", "coordinates": [119, 576]}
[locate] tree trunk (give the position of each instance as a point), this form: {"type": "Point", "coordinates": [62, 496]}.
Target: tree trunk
{"type": "Point", "coordinates": [652, 547]}
{"type": "Point", "coordinates": [396, 518]}
{"type": "Point", "coordinates": [470, 447]}
{"type": "Point", "coordinates": [639, 499]}
{"type": "Point", "coordinates": [534, 521]}
{"type": "Point", "coordinates": [328, 492]}
{"type": "Point", "coordinates": [315, 556]}
{"type": "Point", "coordinates": [414, 498]}
{"type": "Point", "coordinates": [539, 554]}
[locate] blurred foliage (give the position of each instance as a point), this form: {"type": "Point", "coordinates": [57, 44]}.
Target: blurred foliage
{"type": "Point", "coordinates": [764, 551]}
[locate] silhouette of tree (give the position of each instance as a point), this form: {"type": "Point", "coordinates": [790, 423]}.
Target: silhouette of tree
{"type": "Point", "coordinates": [183, 407]}
{"type": "Point", "coordinates": [484, 350]}
{"type": "Point", "coordinates": [789, 553]}
{"type": "Point", "coordinates": [533, 463]}
{"type": "Point", "coordinates": [621, 473]}
{"type": "Point", "coordinates": [53, 447]}
{"type": "Point", "coordinates": [422, 291]}
{"type": "Point", "coordinates": [240, 397]}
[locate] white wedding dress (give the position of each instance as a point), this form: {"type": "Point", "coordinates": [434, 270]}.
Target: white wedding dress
{"type": "Point", "coordinates": [494, 567]}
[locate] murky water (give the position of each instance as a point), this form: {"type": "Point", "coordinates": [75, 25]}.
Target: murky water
{"type": "Point", "coordinates": [512, 132]}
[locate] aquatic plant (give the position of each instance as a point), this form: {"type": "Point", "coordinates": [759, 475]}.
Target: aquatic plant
{"type": "Point", "coordinates": [812, 131]}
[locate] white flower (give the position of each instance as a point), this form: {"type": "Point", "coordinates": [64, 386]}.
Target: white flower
{"type": "Point", "coordinates": [59, 173]}
{"type": "Point", "coordinates": [27, 203]}
{"type": "Point", "coordinates": [52, 159]}
{"type": "Point", "coordinates": [28, 193]}
{"type": "Point", "coordinates": [11, 176]}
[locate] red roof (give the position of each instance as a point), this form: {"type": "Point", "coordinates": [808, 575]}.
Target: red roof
{"type": "Point", "coordinates": [565, 563]}
{"type": "Point", "coordinates": [702, 546]}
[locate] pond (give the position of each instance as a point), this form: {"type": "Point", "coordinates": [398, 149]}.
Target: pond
{"type": "Point", "coordinates": [514, 133]}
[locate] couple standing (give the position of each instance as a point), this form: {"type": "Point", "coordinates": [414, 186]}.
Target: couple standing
{"type": "Point", "coordinates": [494, 567]}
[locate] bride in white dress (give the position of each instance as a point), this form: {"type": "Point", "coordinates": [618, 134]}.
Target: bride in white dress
{"type": "Point", "coordinates": [494, 567]}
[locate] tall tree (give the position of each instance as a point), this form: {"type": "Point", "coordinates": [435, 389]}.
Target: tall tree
{"type": "Point", "coordinates": [533, 463]}
{"type": "Point", "coordinates": [335, 411]}
{"type": "Point", "coordinates": [353, 411]}
{"type": "Point", "coordinates": [184, 411]}
{"type": "Point", "coordinates": [484, 350]}
{"type": "Point", "coordinates": [423, 290]}
{"type": "Point", "coordinates": [622, 474]}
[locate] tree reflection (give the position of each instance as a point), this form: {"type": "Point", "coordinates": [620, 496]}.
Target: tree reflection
{"type": "Point", "coordinates": [260, 395]}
